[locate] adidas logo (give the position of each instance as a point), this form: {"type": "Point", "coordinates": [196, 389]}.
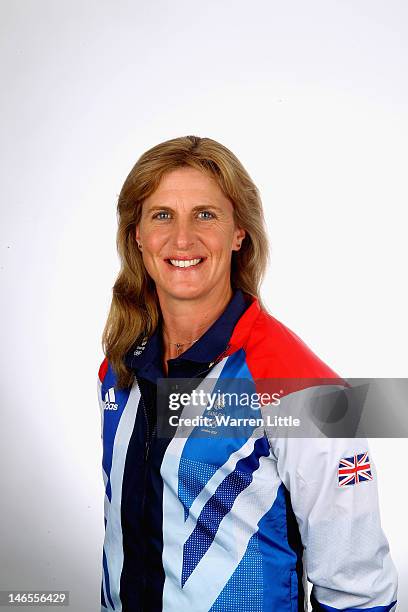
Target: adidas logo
{"type": "Point", "coordinates": [110, 402]}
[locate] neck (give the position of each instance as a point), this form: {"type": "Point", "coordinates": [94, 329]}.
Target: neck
{"type": "Point", "coordinates": [185, 321]}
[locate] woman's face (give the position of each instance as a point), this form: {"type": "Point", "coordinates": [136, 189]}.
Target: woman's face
{"type": "Point", "coordinates": [187, 233]}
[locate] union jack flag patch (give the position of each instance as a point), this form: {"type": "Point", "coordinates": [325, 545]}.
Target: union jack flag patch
{"type": "Point", "coordinates": [353, 470]}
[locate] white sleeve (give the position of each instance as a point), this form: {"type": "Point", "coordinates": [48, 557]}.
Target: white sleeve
{"type": "Point", "coordinates": [346, 553]}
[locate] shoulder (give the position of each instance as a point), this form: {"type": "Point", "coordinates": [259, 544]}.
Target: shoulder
{"type": "Point", "coordinates": [274, 350]}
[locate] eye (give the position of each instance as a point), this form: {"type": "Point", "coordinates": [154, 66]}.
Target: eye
{"type": "Point", "coordinates": [158, 215]}
{"type": "Point", "coordinates": [209, 215]}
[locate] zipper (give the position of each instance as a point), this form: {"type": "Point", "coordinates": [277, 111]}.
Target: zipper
{"type": "Point", "coordinates": [147, 442]}
{"type": "Point", "coordinates": [149, 436]}
{"type": "Point", "coordinates": [146, 453]}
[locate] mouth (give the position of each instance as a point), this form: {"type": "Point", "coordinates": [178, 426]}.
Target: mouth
{"type": "Point", "coordinates": [185, 264]}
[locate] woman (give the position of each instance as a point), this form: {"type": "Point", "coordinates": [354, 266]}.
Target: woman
{"type": "Point", "coordinates": [213, 522]}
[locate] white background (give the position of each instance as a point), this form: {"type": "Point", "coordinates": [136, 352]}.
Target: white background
{"type": "Point", "coordinates": [311, 96]}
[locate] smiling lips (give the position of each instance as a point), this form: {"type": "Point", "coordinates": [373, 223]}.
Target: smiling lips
{"type": "Point", "coordinates": [185, 263]}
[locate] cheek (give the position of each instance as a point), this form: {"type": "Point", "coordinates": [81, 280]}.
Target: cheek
{"type": "Point", "coordinates": [220, 240]}
{"type": "Point", "coordinates": [153, 242]}
{"type": "Point", "coordinates": [218, 232]}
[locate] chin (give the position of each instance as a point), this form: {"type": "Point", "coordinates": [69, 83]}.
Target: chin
{"type": "Point", "coordinates": [185, 293]}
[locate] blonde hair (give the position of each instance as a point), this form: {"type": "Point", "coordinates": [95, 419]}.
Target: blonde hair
{"type": "Point", "coordinates": [135, 311]}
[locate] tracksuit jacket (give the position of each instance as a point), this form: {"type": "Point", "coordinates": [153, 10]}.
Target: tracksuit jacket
{"type": "Point", "coordinates": [224, 524]}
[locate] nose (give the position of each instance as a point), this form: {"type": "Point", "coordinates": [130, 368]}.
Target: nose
{"type": "Point", "coordinates": [183, 234]}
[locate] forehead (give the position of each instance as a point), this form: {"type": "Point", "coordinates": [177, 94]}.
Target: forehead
{"type": "Point", "coordinates": [184, 183]}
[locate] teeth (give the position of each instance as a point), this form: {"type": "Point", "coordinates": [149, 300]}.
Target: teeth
{"type": "Point", "coordinates": [181, 263]}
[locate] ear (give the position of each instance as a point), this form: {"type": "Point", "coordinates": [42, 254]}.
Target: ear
{"type": "Point", "coordinates": [137, 232]}
{"type": "Point", "coordinates": [239, 235]}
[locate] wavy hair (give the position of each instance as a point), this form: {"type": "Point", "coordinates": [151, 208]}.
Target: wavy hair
{"type": "Point", "coordinates": [135, 311]}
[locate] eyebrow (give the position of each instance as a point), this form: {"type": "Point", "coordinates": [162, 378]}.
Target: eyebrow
{"type": "Point", "coordinates": [194, 209]}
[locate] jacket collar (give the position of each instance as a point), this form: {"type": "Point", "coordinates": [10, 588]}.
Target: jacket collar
{"type": "Point", "coordinates": [226, 335]}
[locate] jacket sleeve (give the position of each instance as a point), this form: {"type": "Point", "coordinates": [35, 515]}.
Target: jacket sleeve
{"type": "Point", "coordinates": [346, 554]}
